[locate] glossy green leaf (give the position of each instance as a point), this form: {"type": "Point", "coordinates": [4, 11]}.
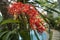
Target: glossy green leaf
{"type": "Point", "coordinates": [6, 36]}
{"type": "Point", "coordinates": [53, 10]}
{"type": "Point", "coordinates": [47, 6]}
{"type": "Point", "coordinates": [2, 33]}
{"type": "Point", "coordinates": [9, 21]}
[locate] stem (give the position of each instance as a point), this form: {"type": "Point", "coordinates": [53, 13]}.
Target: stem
{"type": "Point", "coordinates": [23, 1]}
{"type": "Point", "coordinates": [24, 32]}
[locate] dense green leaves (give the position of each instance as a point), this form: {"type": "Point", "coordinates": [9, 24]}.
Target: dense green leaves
{"type": "Point", "coordinates": [2, 33]}
{"type": "Point", "coordinates": [46, 3]}
{"type": "Point", "coordinates": [48, 6]}
{"type": "Point", "coordinates": [6, 36]}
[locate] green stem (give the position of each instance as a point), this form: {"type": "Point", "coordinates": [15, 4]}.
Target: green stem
{"type": "Point", "coordinates": [23, 1]}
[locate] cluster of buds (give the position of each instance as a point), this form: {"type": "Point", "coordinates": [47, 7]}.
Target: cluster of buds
{"type": "Point", "coordinates": [35, 21]}
{"type": "Point", "coordinates": [15, 8]}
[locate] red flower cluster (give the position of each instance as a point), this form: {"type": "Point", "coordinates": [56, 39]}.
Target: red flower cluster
{"type": "Point", "coordinates": [37, 24]}
{"type": "Point", "coordinates": [35, 21]}
{"type": "Point", "coordinates": [15, 8]}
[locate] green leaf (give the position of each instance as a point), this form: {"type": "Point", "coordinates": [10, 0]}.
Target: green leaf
{"type": "Point", "coordinates": [0, 31]}
{"type": "Point", "coordinates": [14, 37]}
{"type": "Point", "coordinates": [25, 35]}
{"type": "Point", "coordinates": [3, 33]}
{"type": "Point", "coordinates": [53, 10]}
{"type": "Point", "coordinates": [1, 18]}
{"type": "Point", "coordinates": [6, 36]}
{"type": "Point", "coordinates": [9, 21]}
{"type": "Point", "coordinates": [48, 5]}
{"type": "Point", "coordinates": [49, 11]}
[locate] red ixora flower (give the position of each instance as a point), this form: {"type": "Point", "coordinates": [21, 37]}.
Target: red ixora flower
{"type": "Point", "coordinates": [15, 8]}
{"type": "Point", "coordinates": [34, 19]}
{"type": "Point", "coordinates": [25, 8]}
{"type": "Point", "coordinates": [40, 29]}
